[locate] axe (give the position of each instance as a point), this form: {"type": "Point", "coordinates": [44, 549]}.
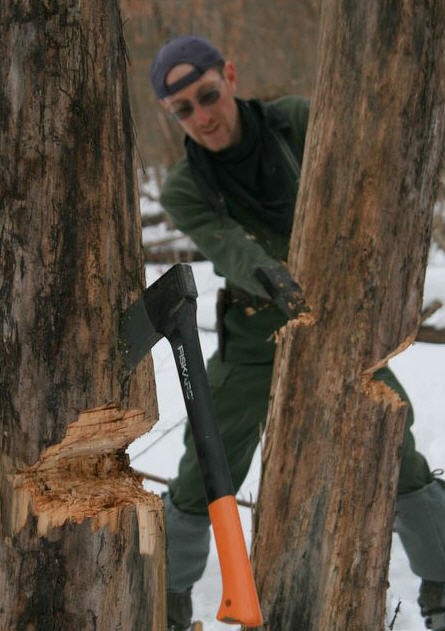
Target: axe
{"type": "Point", "coordinates": [167, 308]}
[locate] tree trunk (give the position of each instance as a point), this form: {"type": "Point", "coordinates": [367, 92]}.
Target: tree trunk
{"type": "Point", "coordinates": [81, 543]}
{"type": "Point", "coordinates": [359, 249]}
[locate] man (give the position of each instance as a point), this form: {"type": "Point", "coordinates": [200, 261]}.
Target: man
{"type": "Point", "coordinates": [234, 193]}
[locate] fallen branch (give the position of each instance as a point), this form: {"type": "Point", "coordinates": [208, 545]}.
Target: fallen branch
{"type": "Point", "coordinates": [164, 481]}
{"type": "Point", "coordinates": [396, 613]}
{"type": "Point", "coordinates": [153, 219]}
{"type": "Point", "coordinates": [430, 334]}
{"type": "Point", "coordinates": [430, 309]}
{"type": "Point", "coordinates": [171, 255]}
{"type": "Point", "coordinates": [164, 240]}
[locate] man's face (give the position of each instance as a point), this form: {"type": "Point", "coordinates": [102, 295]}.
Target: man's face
{"type": "Point", "coordinates": [213, 124]}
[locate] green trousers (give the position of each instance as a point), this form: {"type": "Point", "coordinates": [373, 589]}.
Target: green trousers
{"type": "Point", "coordinates": [240, 394]}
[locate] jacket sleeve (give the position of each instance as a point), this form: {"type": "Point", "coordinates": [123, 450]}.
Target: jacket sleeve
{"type": "Point", "coordinates": [233, 251]}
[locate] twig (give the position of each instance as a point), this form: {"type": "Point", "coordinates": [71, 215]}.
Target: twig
{"type": "Point", "coordinates": [430, 334]}
{"type": "Point", "coordinates": [430, 309]}
{"type": "Point", "coordinates": [163, 435]}
{"type": "Point", "coordinates": [156, 478]}
{"type": "Point", "coordinates": [153, 219]}
{"type": "Point", "coordinates": [396, 613]}
{"type": "Point", "coordinates": [164, 240]}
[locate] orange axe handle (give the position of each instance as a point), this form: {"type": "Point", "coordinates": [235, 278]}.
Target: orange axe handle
{"type": "Point", "coordinates": [239, 600]}
{"type": "Point", "coordinates": [239, 603]}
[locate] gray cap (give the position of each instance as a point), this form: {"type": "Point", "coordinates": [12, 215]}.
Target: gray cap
{"type": "Point", "coordinates": [184, 49]}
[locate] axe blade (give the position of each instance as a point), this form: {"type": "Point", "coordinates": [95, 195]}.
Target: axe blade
{"type": "Point", "coordinates": [137, 335]}
{"type": "Point", "coordinates": [154, 314]}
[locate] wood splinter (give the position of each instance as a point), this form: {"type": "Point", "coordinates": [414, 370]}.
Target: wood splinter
{"type": "Point", "coordinates": [88, 476]}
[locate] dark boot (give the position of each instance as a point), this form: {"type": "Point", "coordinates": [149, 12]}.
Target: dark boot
{"type": "Point", "coordinates": [432, 604]}
{"type": "Point", "coordinates": [179, 610]}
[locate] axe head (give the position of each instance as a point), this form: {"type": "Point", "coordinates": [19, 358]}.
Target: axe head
{"type": "Point", "coordinates": [154, 315]}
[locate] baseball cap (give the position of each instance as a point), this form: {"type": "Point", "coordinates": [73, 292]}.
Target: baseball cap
{"type": "Point", "coordinates": [184, 49]}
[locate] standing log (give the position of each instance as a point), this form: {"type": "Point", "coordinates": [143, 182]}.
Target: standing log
{"type": "Point", "coordinates": [359, 249]}
{"type": "Point", "coordinates": [81, 543]}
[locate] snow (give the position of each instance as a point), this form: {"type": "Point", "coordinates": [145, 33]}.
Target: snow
{"type": "Point", "coordinates": [419, 368]}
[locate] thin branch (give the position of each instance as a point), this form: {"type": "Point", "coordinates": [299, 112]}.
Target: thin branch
{"type": "Point", "coordinates": [430, 334]}
{"type": "Point", "coordinates": [152, 219]}
{"type": "Point", "coordinates": [394, 618]}
{"type": "Point", "coordinates": [163, 435]}
{"type": "Point", "coordinates": [164, 481]}
{"type": "Point", "coordinates": [430, 309]}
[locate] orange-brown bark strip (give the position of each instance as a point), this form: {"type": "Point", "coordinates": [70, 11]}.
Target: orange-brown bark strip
{"type": "Point", "coordinates": [359, 249]}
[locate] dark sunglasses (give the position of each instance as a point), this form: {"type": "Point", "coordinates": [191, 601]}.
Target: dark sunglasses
{"type": "Point", "coordinates": [205, 99]}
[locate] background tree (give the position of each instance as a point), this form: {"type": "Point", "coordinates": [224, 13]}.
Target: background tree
{"type": "Point", "coordinates": [359, 249]}
{"type": "Point", "coordinates": [242, 31]}
{"type": "Point", "coordinates": [81, 543]}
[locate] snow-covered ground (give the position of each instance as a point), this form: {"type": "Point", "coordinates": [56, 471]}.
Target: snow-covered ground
{"type": "Point", "coordinates": [420, 369]}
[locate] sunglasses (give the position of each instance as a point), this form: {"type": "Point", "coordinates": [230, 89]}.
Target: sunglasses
{"type": "Point", "coordinates": [205, 99]}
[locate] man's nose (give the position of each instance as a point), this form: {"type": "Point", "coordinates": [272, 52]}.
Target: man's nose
{"type": "Point", "coordinates": [202, 115]}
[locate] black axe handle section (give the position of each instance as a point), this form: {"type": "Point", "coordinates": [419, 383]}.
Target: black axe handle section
{"type": "Point", "coordinates": [170, 306]}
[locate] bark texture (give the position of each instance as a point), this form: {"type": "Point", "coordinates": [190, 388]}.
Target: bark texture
{"type": "Point", "coordinates": [359, 250]}
{"type": "Point", "coordinates": [71, 525]}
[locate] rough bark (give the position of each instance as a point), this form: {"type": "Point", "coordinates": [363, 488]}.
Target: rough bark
{"type": "Point", "coordinates": [76, 549]}
{"type": "Point", "coordinates": [359, 249]}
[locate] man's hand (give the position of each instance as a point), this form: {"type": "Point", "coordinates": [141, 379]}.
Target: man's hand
{"type": "Point", "coordinates": [282, 289]}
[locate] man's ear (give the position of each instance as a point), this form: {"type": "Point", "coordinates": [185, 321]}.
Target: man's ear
{"type": "Point", "coordinates": [230, 74]}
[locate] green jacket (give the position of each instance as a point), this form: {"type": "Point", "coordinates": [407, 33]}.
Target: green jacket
{"type": "Point", "coordinates": [237, 241]}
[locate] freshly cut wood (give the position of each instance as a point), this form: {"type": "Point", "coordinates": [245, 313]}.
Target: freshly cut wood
{"type": "Point", "coordinates": [88, 476]}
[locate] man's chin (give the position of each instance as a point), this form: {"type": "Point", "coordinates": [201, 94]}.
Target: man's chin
{"type": "Point", "coordinates": [212, 145]}
{"type": "Point", "coordinates": [215, 141]}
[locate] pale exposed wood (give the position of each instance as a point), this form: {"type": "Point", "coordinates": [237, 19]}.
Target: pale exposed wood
{"type": "Point", "coordinates": [359, 250]}
{"type": "Point", "coordinates": [87, 475]}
